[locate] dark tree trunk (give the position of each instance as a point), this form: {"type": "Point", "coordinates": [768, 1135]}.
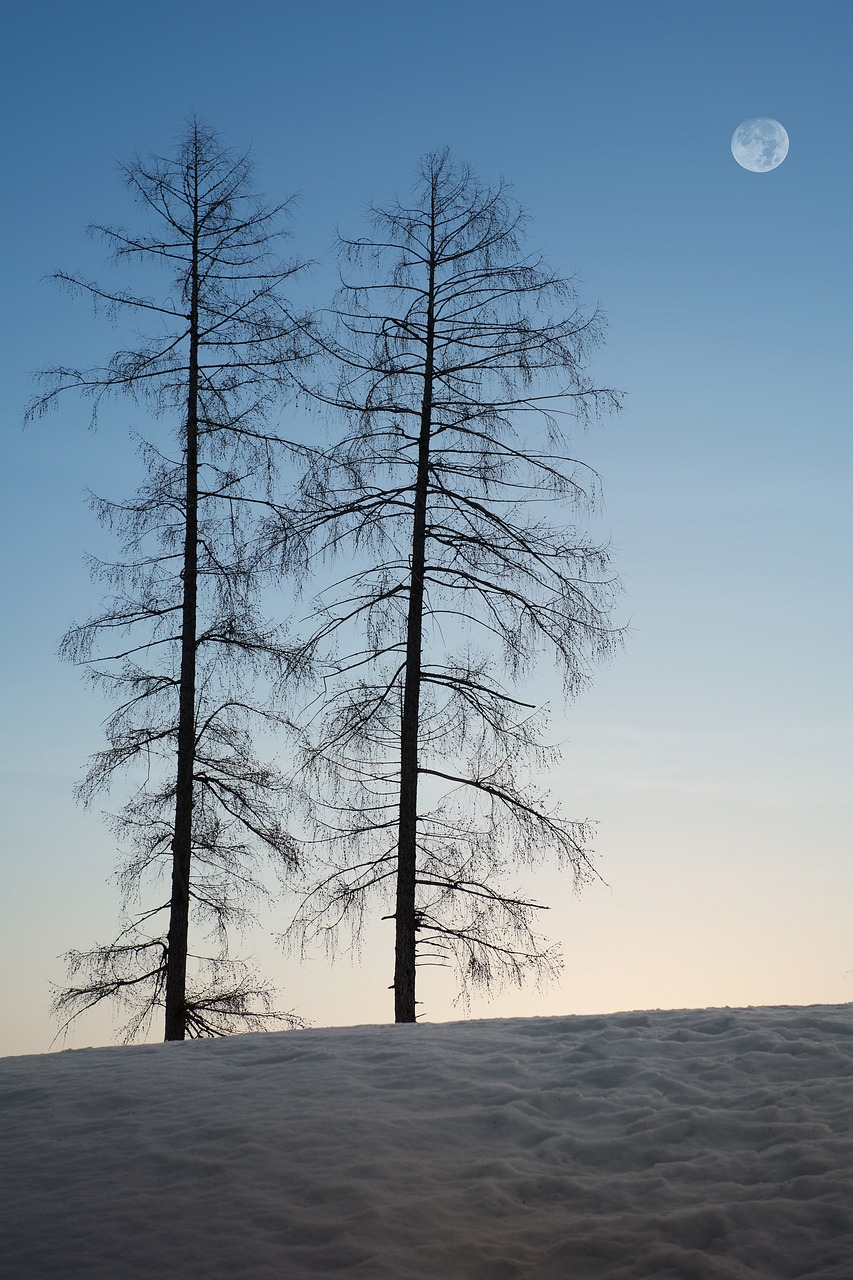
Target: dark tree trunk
{"type": "Point", "coordinates": [176, 969]}
{"type": "Point", "coordinates": [406, 915]}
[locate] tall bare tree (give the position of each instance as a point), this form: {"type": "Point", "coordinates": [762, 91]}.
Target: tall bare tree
{"type": "Point", "coordinates": [461, 357]}
{"type": "Point", "coordinates": [189, 669]}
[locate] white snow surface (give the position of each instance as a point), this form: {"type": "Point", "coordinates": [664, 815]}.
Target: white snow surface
{"type": "Point", "coordinates": [686, 1144]}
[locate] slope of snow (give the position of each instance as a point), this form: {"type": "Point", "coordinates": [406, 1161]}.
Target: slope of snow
{"type": "Point", "coordinates": [692, 1144]}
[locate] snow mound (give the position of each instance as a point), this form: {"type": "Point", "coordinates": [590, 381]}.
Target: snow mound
{"type": "Point", "coordinates": [689, 1144]}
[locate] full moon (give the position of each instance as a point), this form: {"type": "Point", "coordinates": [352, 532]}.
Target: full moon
{"type": "Point", "coordinates": [759, 145]}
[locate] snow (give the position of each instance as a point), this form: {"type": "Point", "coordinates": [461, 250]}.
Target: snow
{"type": "Point", "coordinates": [685, 1144]}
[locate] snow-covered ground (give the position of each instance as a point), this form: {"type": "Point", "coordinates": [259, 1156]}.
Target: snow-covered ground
{"type": "Point", "coordinates": [692, 1145]}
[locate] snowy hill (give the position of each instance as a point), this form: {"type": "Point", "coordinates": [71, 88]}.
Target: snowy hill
{"type": "Point", "coordinates": [692, 1145]}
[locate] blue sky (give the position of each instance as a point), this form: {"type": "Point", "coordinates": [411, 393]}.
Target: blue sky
{"type": "Point", "coordinates": [715, 753]}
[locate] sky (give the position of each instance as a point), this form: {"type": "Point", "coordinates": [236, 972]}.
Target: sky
{"type": "Point", "coordinates": [714, 752]}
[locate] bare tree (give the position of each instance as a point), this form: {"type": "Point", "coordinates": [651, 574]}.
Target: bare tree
{"type": "Point", "coordinates": [180, 642]}
{"type": "Point", "coordinates": [461, 358]}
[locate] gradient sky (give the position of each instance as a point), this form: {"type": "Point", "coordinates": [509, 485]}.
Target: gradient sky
{"type": "Point", "coordinates": [715, 752]}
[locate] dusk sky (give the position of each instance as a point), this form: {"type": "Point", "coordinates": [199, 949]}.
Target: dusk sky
{"type": "Point", "coordinates": [715, 751]}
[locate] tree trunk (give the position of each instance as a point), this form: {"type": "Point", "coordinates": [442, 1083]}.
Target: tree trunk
{"type": "Point", "coordinates": [176, 965]}
{"type": "Point", "coordinates": [406, 916]}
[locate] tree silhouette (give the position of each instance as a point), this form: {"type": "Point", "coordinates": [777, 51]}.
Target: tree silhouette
{"type": "Point", "coordinates": [460, 355]}
{"type": "Point", "coordinates": [180, 642]}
